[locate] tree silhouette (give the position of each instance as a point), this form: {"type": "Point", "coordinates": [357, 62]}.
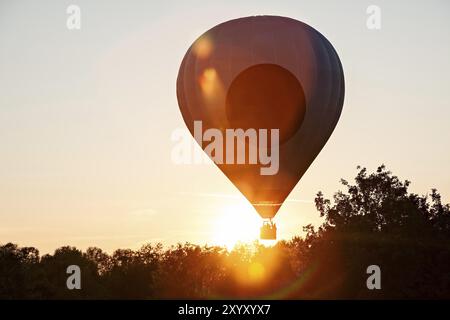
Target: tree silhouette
{"type": "Point", "coordinates": [378, 222]}
{"type": "Point", "coordinates": [375, 221]}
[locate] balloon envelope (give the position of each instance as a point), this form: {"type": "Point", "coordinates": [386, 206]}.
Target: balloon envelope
{"type": "Point", "coordinates": [264, 72]}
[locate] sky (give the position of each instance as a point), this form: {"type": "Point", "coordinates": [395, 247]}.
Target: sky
{"type": "Point", "coordinates": [86, 118]}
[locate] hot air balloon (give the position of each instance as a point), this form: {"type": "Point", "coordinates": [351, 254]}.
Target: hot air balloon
{"type": "Point", "coordinates": [264, 72]}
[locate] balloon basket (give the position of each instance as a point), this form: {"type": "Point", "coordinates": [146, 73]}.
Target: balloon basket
{"type": "Point", "coordinates": [268, 231]}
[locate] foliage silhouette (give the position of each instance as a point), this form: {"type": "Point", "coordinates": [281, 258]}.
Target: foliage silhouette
{"type": "Point", "coordinates": [375, 221]}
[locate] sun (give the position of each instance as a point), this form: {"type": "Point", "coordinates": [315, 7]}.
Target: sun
{"type": "Point", "coordinates": [237, 222]}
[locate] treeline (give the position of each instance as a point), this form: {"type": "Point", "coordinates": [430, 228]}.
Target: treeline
{"type": "Point", "coordinates": [376, 221]}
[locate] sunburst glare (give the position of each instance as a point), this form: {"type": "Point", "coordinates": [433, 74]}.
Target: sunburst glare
{"type": "Point", "coordinates": [238, 222]}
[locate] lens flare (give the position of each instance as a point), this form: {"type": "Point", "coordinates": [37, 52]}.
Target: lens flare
{"type": "Point", "coordinates": [237, 223]}
{"type": "Point", "coordinates": [203, 47]}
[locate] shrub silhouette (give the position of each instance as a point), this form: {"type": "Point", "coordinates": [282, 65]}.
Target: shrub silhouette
{"type": "Point", "coordinates": [375, 221]}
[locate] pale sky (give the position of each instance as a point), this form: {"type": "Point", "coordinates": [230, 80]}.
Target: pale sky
{"type": "Point", "coordinates": [86, 118]}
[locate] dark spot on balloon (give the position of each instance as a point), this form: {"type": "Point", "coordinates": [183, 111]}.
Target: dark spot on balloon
{"type": "Point", "coordinates": [266, 96]}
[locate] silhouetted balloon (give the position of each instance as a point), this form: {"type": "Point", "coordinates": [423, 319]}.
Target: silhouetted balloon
{"type": "Point", "coordinates": [264, 72]}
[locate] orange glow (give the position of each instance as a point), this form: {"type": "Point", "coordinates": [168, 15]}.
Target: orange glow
{"type": "Point", "coordinates": [208, 81]}
{"type": "Point", "coordinates": [209, 75]}
{"type": "Point", "coordinates": [203, 47]}
{"type": "Point", "coordinates": [256, 272]}
{"type": "Point", "coordinates": [211, 85]}
{"type": "Point", "coordinates": [254, 267]}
